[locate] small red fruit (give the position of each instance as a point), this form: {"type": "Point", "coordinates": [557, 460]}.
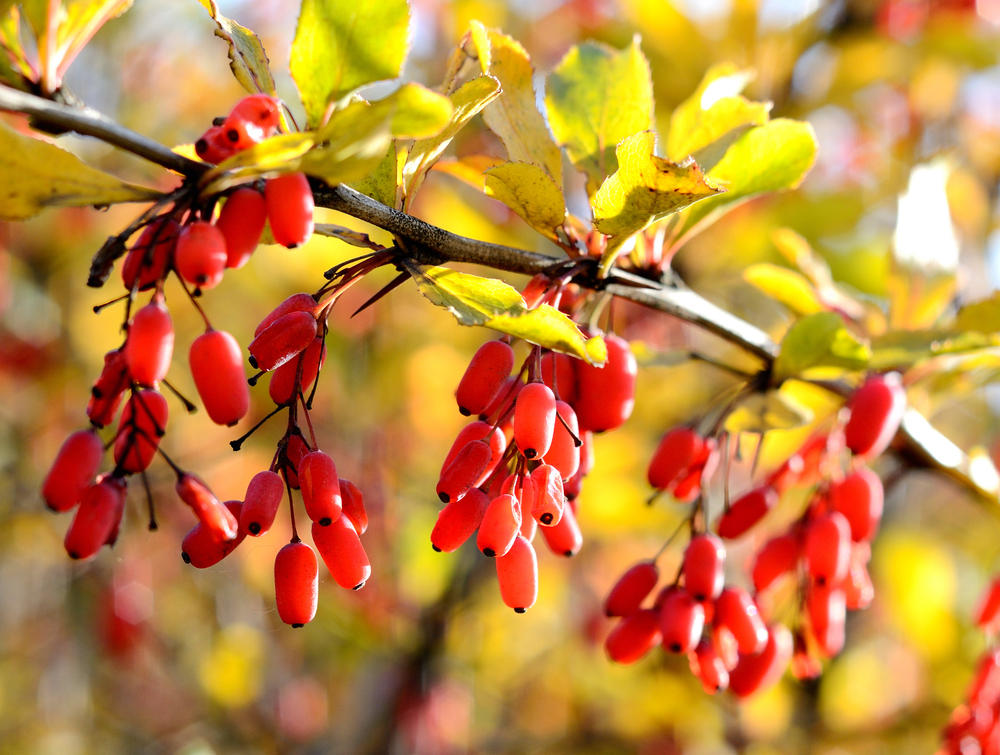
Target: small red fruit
{"type": "Point", "coordinates": [296, 583]}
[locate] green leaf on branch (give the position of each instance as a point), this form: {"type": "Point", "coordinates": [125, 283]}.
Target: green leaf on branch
{"type": "Point", "coordinates": [900, 349]}
{"type": "Point", "coordinates": [761, 412]}
{"type": "Point", "coordinates": [715, 109]}
{"type": "Point", "coordinates": [772, 157]}
{"type": "Point", "coordinates": [466, 102]}
{"type": "Point", "coordinates": [341, 45]}
{"type": "Point", "coordinates": [819, 340]}
{"type": "Point", "coordinates": [789, 287]}
{"type": "Point", "coordinates": [595, 98]}
{"type": "Point", "coordinates": [514, 115]}
{"type": "Point", "coordinates": [491, 303]}
{"type": "Point", "coordinates": [981, 316]}
{"type": "Point", "coordinates": [35, 174]}
{"type": "Point", "coordinates": [530, 192]}
{"type": "Point", "coordinates": [247, 57]}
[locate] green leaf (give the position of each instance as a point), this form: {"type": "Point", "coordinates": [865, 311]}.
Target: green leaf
{"type": "Point", "coordinates": [381, 184]}
{"type": "Point", "coordinates": [900, 349]}
{"type": "Point", "coordinates": [491, 303]}
{"type": "Point", "coordinates": [466, 102]}
{"type": "Point", "coordinates": [643, 189]}
{"type": "Point", "coordinates": [35, 174]}
{"type": "Point", "coordinates": [247, 58]}
{"type": "Point", "coordinates": [772, 410]}
{"type": "Point", "coordinates": [595, 98]}
{"type": "Point", "coordinates": [819, 340]}
{"type": "Point", "coordinates": [279, 154]}
{"type": "Point", "coordinates": [715, 109]}
{"type": "Point", "coordinates": [514, 116]}
{"type": "Point", "coordinates": [341, 45]}
{"type": "Point", "coordinates": [789, 287]}
{"type": "Point", "coordinates": [982, 316]}
{"type": "Point", "coordinates": [530, 192]}
{"type": "Point", "coordinates": [772, 157]}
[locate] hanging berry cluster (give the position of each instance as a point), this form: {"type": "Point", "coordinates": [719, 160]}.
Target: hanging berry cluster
{"type": "Point", "coordinates": [193, 242]}
{"type": "Point", "coordinates": [519, 467]}
{"type": "Point", "coordinates": [733, 638]}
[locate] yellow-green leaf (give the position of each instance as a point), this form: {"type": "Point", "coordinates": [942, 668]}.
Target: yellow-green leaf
{"type": "Point", "coordinates": [35, 174]}
{"type": "Point", "coordinates": [382, 183]}
{"type": "Point", "coordinates": [279, 154]}
{"type": "Point", "coordinates": [645, 188]}
{"type": "Point", "coordinates": [819, 340]}
{"type": "Point", "coordinates": [772, 157]}
{"type": "Point", "coordinates": [982, 316]}
{"type": "Point", "coordinates": [789, 287]}
{"type": "Point", "coordinates": [595, 98]}
{"type": "Point", "coordinates": [715, 109]}
{"type": "Point", "coordinates": [772, 410]}
{"type": "Point", "coordinates": [341, 45]}
{"type": "Point", "coordinates": [491, 303]}
{"type": "Point", "coordinates": [900, 349]}
{"type": "Point", "coordinates": [247, 57]}
{"type": "Point", "coordinates": [530, 192]}
{"type": "Point", "coordinates": [514, 115]}
{"type": "Point", "coordinates": [466, 102]}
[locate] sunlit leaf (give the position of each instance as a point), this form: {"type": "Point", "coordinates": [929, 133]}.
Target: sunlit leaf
{"type": "Point", "coordinates": [761, 412]}
{"type": "Point", "coordinates": [900, 349]}
{"type": "Point", "coordinates": [530, 192]}
{"type": "Point", "coordinates": [281, 153]}
{"type": "Point", "coordinates": [35, 174]}
{"type": "Point", "coordinates": [514, 115]}
{"type": "Point", "coordinates": [470, 169]}
{"type": "Point", "coordinates": [595, 98]}
{"type": "Point", "coordinates": [787, 286]}
{"type": "Point", "coordinates": [247, 57]}
{"type": "Point", "coordinates": [715, 109]}
{"type": "Point", "coordinates": [382, 183]}
{"type": "Point", "coordinates": [982, 316]}
{"type": "Point", "coordinates": [819, 340]}
{"type": "Point", "coordinates": [341, 45]}
{"type": "Point", "coordinates": [491, 303]}
{"type": "Point", "coordinates": [772, 157]}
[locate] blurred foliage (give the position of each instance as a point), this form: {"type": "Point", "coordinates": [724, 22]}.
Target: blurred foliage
{"type": "Point", "coordinates": [136, 652]}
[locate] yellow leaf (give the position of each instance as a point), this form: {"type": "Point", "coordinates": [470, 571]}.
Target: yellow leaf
{"type": "Point", "coordinates": [787, 286]}
{"type": "Point", "coordinates": [530, 192]}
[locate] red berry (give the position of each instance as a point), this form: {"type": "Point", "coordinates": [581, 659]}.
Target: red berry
{"type": "Point", "coordinates": [682, 620]}
{"type": "Point", "coordinates": [517, 573]}
{"type": "Point", "coordinates": [282, 340]}
{"type": "Point", "coordinates": [709, 667]}
{"type": "Point", "coordinates": [213, 515]}
{"type": "Point", "coordinates": [261, 502]}
{"type": "Point", "coordinates": [458, 520]}
{"type": "Point", "coordinates": [294, 450]}
{"type": "Point", "coordinates": [678, 450]}
{"type": "Point", "coordinates": [777, 556]}
{"type": "Point", "coordinates": [564, 538]}
{"type": "Point", "coordinates": [72, 470]}
{"type": "Point", "coordinates": [217, 368]}
{"type": "Point", "coordinates": [108, 389]}
{"type": "Point", "coordinates": [296, 583]}
{"type": "Point", "coordinates": [756, 672]}
{"type": "Point", "coordinates": [736, 611]}
{"type": "Point", "coordinates": [200, 548]}
{"type": "Point", "coordinates": [97, 517]}
{"type": "Point", "coordinates": [634, 636]}
{"type": "Point", "coordinates": [289, 209]}
{"type": "Point", "coordinates": [876, 409]}
{"type": "Point", "coordinates": [559, 374]}
{"type": "Point", "coordinates": [343, 553]}
{"type": "Point", "coordinates": [549, 499]}
{"type": "Point", "coordinates": [142, 424]}
{"type": "Point", "coordinates": [631, 589]}
{"type": "Point", "coordinates": [149, 259]}
{"type": "Point", "coordinates": [478, 431]}
{"type": "Point", "coordinates": [704, 560]}
{"type": "Point", "coordinates": [827, 612]}
{"type": "Point", "coordinates": [260, 109]}
{"type": "Point", "coordinates": [464, 471]}
{"type": "Point", "coordinates": [320, 487]}
{"type": "Point", "coordinates": [988, 610]}
{"type": "Point", "coordinates": [500, 526]}
{"type": "Point", "coordinates": [200, 256]}
{"type": "Point", "coordinates": [241, 223]}
{"type": "Point", "coordinates": [859, 497]}
{"type": "Point", "coordinates": [483, 378]}
{"type": "Point", "coordinates": [827, 548]}
{"type": "Point", "coordinates": [534, 419]}
{"type": "Point", "coordinates": [606, 395]}
{"type": "Point", "coordinates": [298, 374]}
{"type": "Point", "coordinates": [353, 503]}
{"type": "Point", "coordinates": [150, 343]}
{"type": "Point", "coordinates": [505, 397]}
{"type": "Point", "coordinates": [294, 303]}
{"type": "Point", "coordinates": [213, 146]}
{"type": "Point", "coordinates": [242, 133]}
{"type": "Point", "coordinates": [564, 453]}
{"type": "Point", "coordinates": [746, 511]}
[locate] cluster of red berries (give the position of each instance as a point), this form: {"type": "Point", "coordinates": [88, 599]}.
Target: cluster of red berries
{"type": "Point", "coordinates": [288, 343]}
{"type": "Point", "coordinates": [825, 551]}
{"type": "Point", "coordinates": [520, 466]}
{"type": "Point", "coordinates": [974, 725]}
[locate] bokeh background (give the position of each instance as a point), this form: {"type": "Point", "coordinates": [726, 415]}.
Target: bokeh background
{"type": "Point", "coordinates": [136, 652]}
